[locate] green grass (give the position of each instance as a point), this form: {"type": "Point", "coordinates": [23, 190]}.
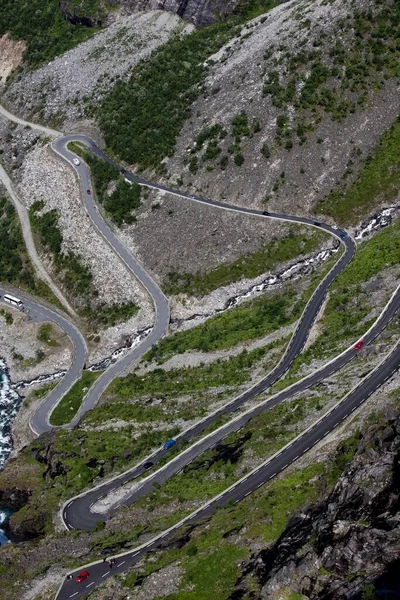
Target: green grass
{"type": "Point", "coordinates": [217, 469]}
{"type": "Point", "coordinates": [176, 382]}
{"type": "Point", "coordinates": [45, 389]}
{"type": "Point", "coordinates": [348, 306]}
{"type": "Point", "coordinates": [250, 320]}
{"type": "Point", "coordinates": [129, 397]}
{"type": "Point", "coordinates": [210, 558]}
{"type": "Point", "coordinates": [298, 242]}
{"type": "Point", "coordinates": [69, 405]}
{"type": "Point", "coordinates": [46, 334]}
{"type": "Point", "coordinates": [41, 24]}
{"type": "Point", "coordinates": [379, 181]}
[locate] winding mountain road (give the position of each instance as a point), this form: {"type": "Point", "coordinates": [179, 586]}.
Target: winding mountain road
{"type": "Point", "coordinates": [77, 512]}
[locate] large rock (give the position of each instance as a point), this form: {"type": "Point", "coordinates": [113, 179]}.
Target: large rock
{"type": "Point", "coordinates": [349, 540]}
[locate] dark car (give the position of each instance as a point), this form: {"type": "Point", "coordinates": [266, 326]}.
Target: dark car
{"type": "Point", "coordinates": [89, 192]}
{"type": "Point", "coordinates": [124, 172]}
{"type": "Point", "coordinates": [359, 345]}
{"type": "Point", "coordinates": [317, 223]}
{"type": "Point", "coordinates": [82, 576]}
{"type": "Point", "coordinates": [343, 235]}
{"type": "Point", "coordinates": [265, 212]}
{"type": "Point", "coordinates": [148, 465]}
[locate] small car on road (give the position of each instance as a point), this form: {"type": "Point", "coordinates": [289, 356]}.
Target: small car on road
{"type": "Point", "coordinates": [76, 161]}
{"type": "Point", "coordinates": [168, 444]}
{"type": "Point", "coordinates": [343, 235]}
{"type": "Point", "coordinates": [88, 192]}
{"type": "Point", "coordinates": [82, 576]}
{"type": "Point", "coordinates": [148, 465]}
{"type": "Point", "coordinates": [265, 212]}
{"type": "Point", "coordinates": [359, 345]}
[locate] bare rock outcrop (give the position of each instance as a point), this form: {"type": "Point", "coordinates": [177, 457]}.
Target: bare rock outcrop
{"type": "Point", "coordinates": [348, 542]}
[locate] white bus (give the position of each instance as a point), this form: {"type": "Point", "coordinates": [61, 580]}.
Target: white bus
{"type": "Point", "coordinates": [13, 301]}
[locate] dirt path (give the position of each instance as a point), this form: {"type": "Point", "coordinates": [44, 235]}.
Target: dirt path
{"type": "Point", "coordinates": [41, 128]}
{"type": "Point", "coordinates": [30, 245]}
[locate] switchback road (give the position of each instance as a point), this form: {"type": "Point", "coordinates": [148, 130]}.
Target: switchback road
{"type": "Point", "coordinates": [77, 511]}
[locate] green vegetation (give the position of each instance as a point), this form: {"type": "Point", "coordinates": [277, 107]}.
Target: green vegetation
{"type": "Point", "coordinates": [335, 76]}
{"type": "Point", "coordinates": [69, 404]}
{"type": "Point", "coordinates": [128, 397]}
{"type": "Point", "coordinates": [175, 382]}
{"type": "Point", "coordinates": [108, 316]}
{"type": "Point", "coordinates": [348, 306]}
{"type": "Point", "coordinates": [123, 200]}
{"type": "Point", "coordinates": [298, 242]}
{"type": "Point", "coordinates": [7, 316]}
{"type": "Point", "coordinates": [142, 117]}
{"type": "Point", "coordinates": [42, 25]}
{"type": "Point", "coordinates": [15, 266]}
{"type": "Point", "coordinates": [46, 334]}
{"type": "Point", "coordinates": [251, 319]}
{"type": "Point", "coordinates": [80, 456]}
{"type": "Point", "coordinates": [379, 181]}
{"type": "Point", "coordinates": [217, 469]}
{"type": "Point", "coordinates": [76, 277]}
{"type": "Point", "coordinates": [45, 389]}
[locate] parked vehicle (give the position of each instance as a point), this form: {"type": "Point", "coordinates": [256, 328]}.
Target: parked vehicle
{"type": "Point", "coordinates": [168, 444]}
{"type": "Point", "coordinates": [13, 301]}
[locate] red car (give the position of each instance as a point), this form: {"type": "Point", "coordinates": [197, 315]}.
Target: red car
{"type": "Point", "coordinates": [82, 576]}
{"type": "Point", "coordinates": [359, 345]}
{"type": "Point", "coordinates": [89, 192]}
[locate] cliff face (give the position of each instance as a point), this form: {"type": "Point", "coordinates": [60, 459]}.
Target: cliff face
{"type": "Point", "coordinates": [199, 12]}
{"type": "Point", "coordinates": [348, 545]}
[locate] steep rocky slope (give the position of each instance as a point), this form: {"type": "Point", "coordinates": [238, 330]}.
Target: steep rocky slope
{"type": "Point", "coordinates": [349, 540]}
{"type": "Point", "coordinates": [294, 104]}
{"type": "Point", "coordinates": [57, 92]}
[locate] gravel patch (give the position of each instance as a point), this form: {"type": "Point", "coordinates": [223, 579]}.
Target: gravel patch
{"type": "Point", "coordinates": [20, 348]}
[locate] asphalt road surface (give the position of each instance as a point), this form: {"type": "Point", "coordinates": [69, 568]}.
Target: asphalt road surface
{"type": "Point", "coordinates": [39, 313]}
{"type": "Point", "coordinates": [77, 512]}
{"type": "Point", "coordinates": [99, 571]}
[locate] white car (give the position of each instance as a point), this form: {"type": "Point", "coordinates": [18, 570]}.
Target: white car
{"type": "Point", "coordinates": [76, 161]}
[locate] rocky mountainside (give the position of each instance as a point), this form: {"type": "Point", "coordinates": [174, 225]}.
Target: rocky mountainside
{"type": "Point", "coordinates": [293, 105]}
{"type": "Point", "coordinates": [349, 542]}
